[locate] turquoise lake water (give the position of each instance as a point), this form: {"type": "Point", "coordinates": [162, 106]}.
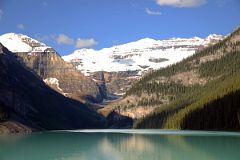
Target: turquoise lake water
{"type": "Point", "coordinates": [121, 145]}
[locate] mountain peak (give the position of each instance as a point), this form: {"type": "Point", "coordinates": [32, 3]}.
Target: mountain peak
{"type": "Point", "coordinates": [146, 40]}
{"type": "Point", "coordinates": [215, 36]}
{"type": "Point", "coordinates": [16, 42]}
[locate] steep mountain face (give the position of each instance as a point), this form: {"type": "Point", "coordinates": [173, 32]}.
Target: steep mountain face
{"type": "Point", "coordinates": [26, 99]}
{"type": "Point", "coordinates": [133, 60]}
{"type": "Point", "coordinates": [200, 92]}
{"type": "Point", "coordinates": [58, 74]}
{"type": "Point", "coordinates": [115, 84]}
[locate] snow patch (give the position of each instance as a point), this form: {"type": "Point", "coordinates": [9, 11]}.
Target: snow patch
{"type": "Point", "coordinates": [54, 82]}
{"type": "Point", "coordinates": [14, 43]}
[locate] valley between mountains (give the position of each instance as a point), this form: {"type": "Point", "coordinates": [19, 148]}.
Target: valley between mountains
{"type": "Point", "coordinates": [179, 83]}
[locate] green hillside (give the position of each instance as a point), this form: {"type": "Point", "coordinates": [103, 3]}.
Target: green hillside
{"type": "Point", "coordinates": [200, 92]}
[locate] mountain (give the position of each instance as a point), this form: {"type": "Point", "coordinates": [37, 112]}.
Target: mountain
{"type": "Point", "coordinates": [25, 100]}
{"type": "Point", "coordinates": [138, 56]}
{"type": "Point", "coordinates": [201, 92]}
{"type": "Point", "coordinates": [46, 62]}
{"type": "Point", "coordinates": [122, 65]}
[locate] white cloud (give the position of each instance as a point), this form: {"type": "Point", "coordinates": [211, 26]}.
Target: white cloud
{"type": "Point", "coordinates": [181, 3]}
{"type": "Point", "coordinates": [66, 40]}
{"type": "Point", "coordinates": [63, 39]}
{"type": "Point", "coordinates": [151, 12]}
{"type": "Point", "coordinates": [20, 26]}
{"type": "Point", "coordinates": [82, 43]}
{"type": "Point", "coordinates": [1, 13]}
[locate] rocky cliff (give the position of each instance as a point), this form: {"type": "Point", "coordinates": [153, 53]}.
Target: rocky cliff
{"type": "Point", "coordinates": [46, 62]}
{"type": "Point", "coordinates": [115, 84]}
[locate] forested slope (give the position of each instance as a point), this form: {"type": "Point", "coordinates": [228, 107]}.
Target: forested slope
{"type": "Point", "coordinates": [200, 92]}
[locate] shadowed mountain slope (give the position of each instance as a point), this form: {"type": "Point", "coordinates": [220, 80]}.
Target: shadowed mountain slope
{"type": "Point", "coordinates": [25, 98]}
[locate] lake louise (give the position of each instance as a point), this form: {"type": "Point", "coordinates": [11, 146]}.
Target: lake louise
{"type": "Point", "coordinates": [119, 80]}
{"type": "Point", "coordinates": [121, 145]}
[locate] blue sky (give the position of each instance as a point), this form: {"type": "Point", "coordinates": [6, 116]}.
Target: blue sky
{"type": "Point", "coordinates": [70, 24]}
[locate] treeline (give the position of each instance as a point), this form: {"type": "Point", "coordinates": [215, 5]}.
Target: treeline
{"type": "Point", "coordinates": [228, 64]}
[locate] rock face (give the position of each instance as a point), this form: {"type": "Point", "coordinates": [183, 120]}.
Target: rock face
{"type": "Point", "coordinates": [58, 74]}
{"type": "Point", "coordinates": [28, 100]}
{"type": "Point", "coordinates": [115, 83]}
{"type": "Point", "coordinates": [61, 76]}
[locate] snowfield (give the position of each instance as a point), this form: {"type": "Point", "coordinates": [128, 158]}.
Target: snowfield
{"type": "Point", "coordinates": [141, 55]}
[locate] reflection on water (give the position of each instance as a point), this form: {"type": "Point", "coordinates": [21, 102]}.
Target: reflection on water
{"type": "Point", "coordinates": [117, 146]}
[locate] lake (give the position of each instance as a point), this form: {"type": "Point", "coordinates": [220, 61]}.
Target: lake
{"type": "Point", "coordinates": [121, 145]}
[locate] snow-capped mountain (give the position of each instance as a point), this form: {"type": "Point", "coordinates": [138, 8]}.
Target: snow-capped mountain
{"type": "Point", "coordinates": [22, 43]}
{"type": "Point", "coordinates": [142, 55]}
{"type": "Point", "coordinates": [53, 70]}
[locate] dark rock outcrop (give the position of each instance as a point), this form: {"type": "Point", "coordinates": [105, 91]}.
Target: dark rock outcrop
{"type": "Point", "coordinates": [115, 120]}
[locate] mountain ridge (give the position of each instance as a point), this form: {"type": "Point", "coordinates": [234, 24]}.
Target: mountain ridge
{"type": "Point", "coordinates": [123, 57]}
